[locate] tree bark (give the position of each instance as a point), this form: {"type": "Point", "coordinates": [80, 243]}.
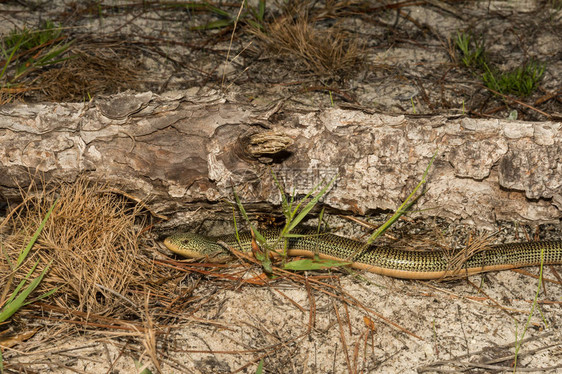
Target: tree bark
{"type": "Point", "coordinates": [184, 150]}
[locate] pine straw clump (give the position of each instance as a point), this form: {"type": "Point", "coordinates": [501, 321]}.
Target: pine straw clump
{"type": "Point", "coordinates": [328, 52]}
{"type": "Point", "coordinates": [91, 72]}
{"type": "Point", "coordinates": [90, 242]}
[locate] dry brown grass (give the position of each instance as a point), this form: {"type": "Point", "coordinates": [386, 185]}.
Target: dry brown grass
{"type": "Point", "coordinates": [328, 52]}
{"type": "Point", "coordinates": [92, 71]}
{"type": "Point", "coordinates": [7, 96]}
{"type": "Point", "coordinates": [106, 286]}
{"type": "Point", "coordinates": [91, 242]}
{"type": "Point", "coordinates": [476, 244]}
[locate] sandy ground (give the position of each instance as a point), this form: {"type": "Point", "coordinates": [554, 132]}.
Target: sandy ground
{"type": "Point", "coordinates": [360, 323]}
{"type": "Point", "coordinates": [467, 325]}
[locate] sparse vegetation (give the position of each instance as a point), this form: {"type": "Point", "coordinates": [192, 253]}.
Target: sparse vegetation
{"type": "Point", "coordinates": [27, 39]}
{"type": "Point", "coordinates": [249, 14]}
{"type": "Point", "coordinates": [295, 212]}
{"type": "Point", "coordinates": [521, 81]}
{"type": "Point", "coordinates": [472, 50]}
{"type": "Point", "coordinates": [24, 51]}
{"type": "Point", "coordinates": [45, 61]}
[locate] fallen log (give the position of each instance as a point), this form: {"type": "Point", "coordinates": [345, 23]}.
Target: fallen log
{"type": "Point", "coordinates": [184, 150]}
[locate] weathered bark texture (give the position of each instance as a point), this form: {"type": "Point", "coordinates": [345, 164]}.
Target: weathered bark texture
{"type": "Point", "coordinates": [186, 149]}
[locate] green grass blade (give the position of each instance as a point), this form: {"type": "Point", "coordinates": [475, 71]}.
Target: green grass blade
{"type": "Point", "coordinates": [43, 296]}
{"type": "Point", "coordinates": [261, 10]}
{"type": "Point", "coordinates": [19, 301]}
{"type": "Point", "coordinates": [25, 252]}
{"type": "Point", "coordinates": [264, 259]}
{"type": "Point", "coordinates": [49, 57]}
{"type": "Point", "coordinates": [533, 306]}
{"type": "Point", "coordinates": [259, 370]}
{"type": "Point", "coordinates": [220, 12]}
{"type": "Point", "coordinates": [235, 226]}
{"type": "Point", "coordinates": [293, 212]}
{"type": "Point", "coordinates": [139, 365]}
{"type": "Point", "coordinates": [305, 198]}
{"type": "Point", "coordinates": [320, 218]}
{"type": "Point", "coordinates": [201, 7]}
{"type": "Point", "coordinates": [313, 264]}
{"type": "Point", "coordinates": [410, 200]}
{"type": "Point", "coordinates": [286, 207]}
{"type": "Point", "coordinates": [7, 258]}
{"type": "Point", "coordinates": [308, 207]}
{"type": "Point", "coordinates": [219, 24]}
{"type": "Point", "coordinates": [21, 284]}
{"type": "Point", "coordinates": [259, 236]}
{"type": "Point", "coordinates": [9, 59]}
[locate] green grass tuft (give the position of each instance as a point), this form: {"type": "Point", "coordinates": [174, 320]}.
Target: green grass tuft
{"type": "Point", "coordinates": [521, 81]}
{"type": "Point", "coordinates": [295, 211]}
{"type": "Point", "coordinates": [472, 50]}
{"type": "Point", "coordinates": [19, 296]}
{"type": "Point", "coordinates": [27, 39]}
{"type": "Point", "coordinates": [26, 50]}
